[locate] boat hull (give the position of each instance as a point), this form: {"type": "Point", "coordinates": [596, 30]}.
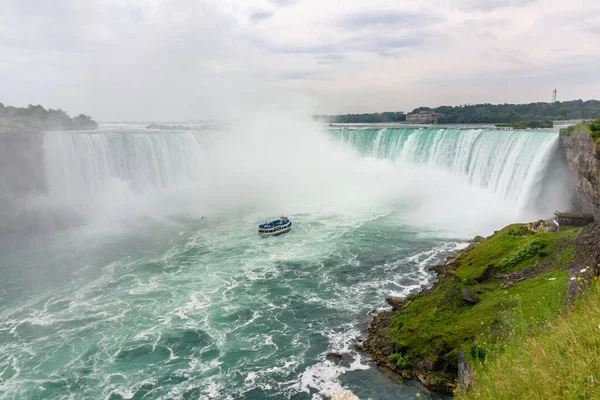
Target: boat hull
{"type": "Point", "coordinates": [276, 233]}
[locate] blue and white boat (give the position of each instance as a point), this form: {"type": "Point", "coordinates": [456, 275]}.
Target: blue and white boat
{"type": "Point", "coordinates": [276, 227]}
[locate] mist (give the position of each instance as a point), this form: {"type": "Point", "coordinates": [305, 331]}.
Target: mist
{"type": "Point", "coordinates": [271, 161]}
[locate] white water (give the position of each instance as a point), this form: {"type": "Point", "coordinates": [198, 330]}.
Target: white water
{"type": "Point", "coordinates": [463, 181]}
{"type": "Point", "coordinates": [510, 164]}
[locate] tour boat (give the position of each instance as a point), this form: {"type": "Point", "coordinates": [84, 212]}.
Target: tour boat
{"type": "Point", "coordinates": [276, 227]}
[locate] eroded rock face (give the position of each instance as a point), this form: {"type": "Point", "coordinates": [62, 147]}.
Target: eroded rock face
{"type": "Point", "coordinates": [583, 158]}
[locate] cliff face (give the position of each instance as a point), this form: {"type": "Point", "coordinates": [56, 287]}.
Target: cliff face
{"type": "Point", "coordinates": [583, 158]}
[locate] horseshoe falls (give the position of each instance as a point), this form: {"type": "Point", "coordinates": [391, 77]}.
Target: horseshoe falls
{"type": "Point", "coordinates": [133, 269]}
{"type": "Point", "coordinates": [514, 165]}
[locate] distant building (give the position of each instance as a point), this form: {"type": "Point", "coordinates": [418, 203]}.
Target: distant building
{"type": "Point", "coordinates": [424, 117]}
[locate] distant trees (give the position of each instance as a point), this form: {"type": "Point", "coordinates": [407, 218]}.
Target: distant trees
{"type": "Point", "coordinates": [362, 118]}
{"type": "Point", "coordinates": [37, 117]}
{"type": "Point", "coordinates": [505, 113]}
{"type": "Point", "coordinates": [541, 123]}
{"type": "Point", "coordinates": [485, 113]}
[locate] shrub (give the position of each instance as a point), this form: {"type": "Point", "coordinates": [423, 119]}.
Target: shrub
{"type": "Point", "coordinates": [400, 361]}
{"type": "Point", "coordinates": [594, 128]}
{"type": "Point", "coordinates": [529, 250]}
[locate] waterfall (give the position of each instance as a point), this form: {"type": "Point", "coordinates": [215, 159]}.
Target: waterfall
{"type": "Point", "coordinates": [512, 164]}
{"type": "Point", "coordinates": [88, 163]}
{"type": "Point", "coordinates": [113, 174]}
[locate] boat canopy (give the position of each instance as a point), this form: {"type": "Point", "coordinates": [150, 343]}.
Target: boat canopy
{"type": "Point", "coordinates": [274, 224]}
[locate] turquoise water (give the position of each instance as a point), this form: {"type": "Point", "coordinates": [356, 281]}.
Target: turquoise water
{"type": "Point", "coordinates": [162, 289]}
{"type": "Point", "coordinates": [204, 309]}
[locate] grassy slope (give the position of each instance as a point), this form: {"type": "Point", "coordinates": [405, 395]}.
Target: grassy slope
{"type": "Point", "coordinates": [437, 324]}
{"type": "Point", "coordinates": [561, 362]}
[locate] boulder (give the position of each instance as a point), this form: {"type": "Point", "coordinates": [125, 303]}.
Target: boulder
{"type": "Point", "coordinates": [406, 374]}
{"type": "Point", "coordinates": [468, 296]}
{"type": "Point", "coordinates": [395, 302]}
{"type": "Point", "coordinates": [465, 373]}
{"type": "Point", "coordinates": [333, 356]}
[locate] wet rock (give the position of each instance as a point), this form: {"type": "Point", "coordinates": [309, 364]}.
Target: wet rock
{"type": "Point", "coordinates": [468, 296]}
{"type": "Point", "coordinates": [507, 284]}
{"type": "Point", "coordinates": [333, 356]}
{"type": "Point", "coordinates": [450, 260]}
{"type": "Point", "coordinates": [406, 374]}
{"type": "Point", "coordinates": [390, 365]}
{"type": "Point", "coordinates": [395, 302]}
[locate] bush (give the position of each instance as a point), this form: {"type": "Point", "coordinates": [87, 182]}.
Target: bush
{"type": "Point", "coordinates": [568, 131]}
{"type": "Point", "coordinates": [520, 231]}
{"type": "Point", "coordinates": [594, 128]}
{"type": "Point", "coordinates": [476, 353]}
{"type": "Point", "coordinates": [529, 250]}
{"type": "Point", "coordinates": [401, 362]}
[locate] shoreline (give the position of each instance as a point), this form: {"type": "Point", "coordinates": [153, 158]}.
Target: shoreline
{"type": "Point", "coordinates": [448, 370]}
{"type": "Point", "coordinates": [371, 345]}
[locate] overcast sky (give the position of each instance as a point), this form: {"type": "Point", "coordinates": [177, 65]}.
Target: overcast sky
{"type": "Point", "coordinates": [120, 60]}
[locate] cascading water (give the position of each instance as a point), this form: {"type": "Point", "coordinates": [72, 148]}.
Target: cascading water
{"type": "Point", "coordinates": [510, 164]}
{"type": "Point", "coordinates": [83, 163]}
{"type": "Point", "coordinates": [186, 307]}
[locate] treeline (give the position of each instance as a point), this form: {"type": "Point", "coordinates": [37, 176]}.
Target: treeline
{"type": "Point", "coordinates": [37, 117]}
{"type": "Point", "coordinates": [362, 118]}
{"type": "Point", "coordinates": [485, 113]}
{"type": "Point", "coordinates": [542, 123]}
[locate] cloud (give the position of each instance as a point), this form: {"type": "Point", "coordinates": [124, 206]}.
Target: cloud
{"type": "Point", "coordinates": [260, 16]}
{"type": "Point", "coordinates": [490, 5]}
{"type": "Point", "coordinates": [386, 18]}
{"type": "Point", "coordinates": [302, 75]}
{"type": "Point", "coordinates": [184, 59]}
{"type": "Point", "coordinates": [331, 58]}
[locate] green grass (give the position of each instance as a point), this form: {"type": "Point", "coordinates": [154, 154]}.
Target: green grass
{"type": "Point", "coordinates": [562, 361]}
{"type": "Point", "coordinates": [437, 324]}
